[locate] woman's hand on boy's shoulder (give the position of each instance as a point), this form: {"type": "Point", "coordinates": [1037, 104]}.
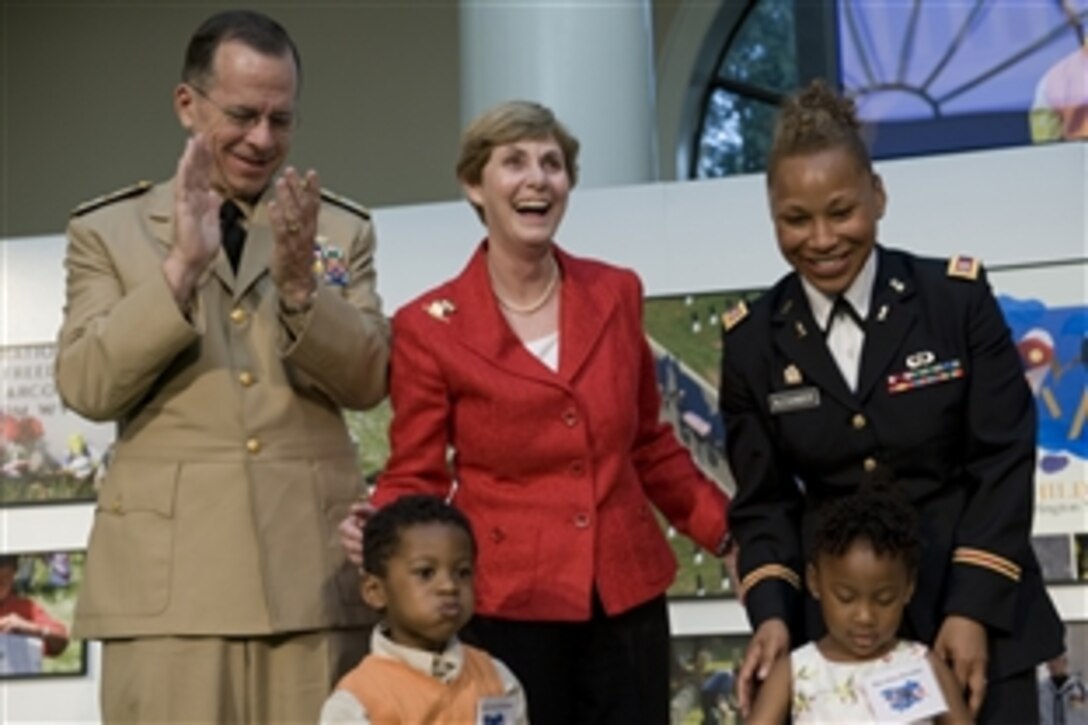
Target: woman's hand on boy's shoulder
{"type": "Point", "coordinates": [351, 531]}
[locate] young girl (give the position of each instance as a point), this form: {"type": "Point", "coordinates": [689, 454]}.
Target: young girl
{"type": "Point", "coordinates": [861, 569]}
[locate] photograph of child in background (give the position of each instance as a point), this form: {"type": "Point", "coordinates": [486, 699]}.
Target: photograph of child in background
{"type": "Point", "coordinates": [702, 690]}
{"type": "Point", "coordinates": [37, 598]}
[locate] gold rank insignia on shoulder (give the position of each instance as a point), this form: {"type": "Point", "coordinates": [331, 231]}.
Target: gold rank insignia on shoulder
{"type": "Point", "coordinates": [734, 315]}
{"type": "Point", "coordinates": [440, 309]}
{"type": "Point", "coordinates": [963, 267]}
{"type": "Point", "coordinates": [140, 187]}
{"type": "Point", "coordinates": [345, 203]}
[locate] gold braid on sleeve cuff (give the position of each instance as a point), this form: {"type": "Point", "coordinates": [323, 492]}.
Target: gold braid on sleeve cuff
{"type": "Point", "coordinates": [987, 560]}
{"type": "Point", "coordinates": [769, 571]}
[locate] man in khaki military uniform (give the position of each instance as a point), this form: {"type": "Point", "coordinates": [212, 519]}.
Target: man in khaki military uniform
{"type": "Point", "coordinates": [224, 339]}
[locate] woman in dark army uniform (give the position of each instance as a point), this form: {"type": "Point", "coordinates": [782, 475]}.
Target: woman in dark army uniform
{"type": "Point", "coordinates": [868, 365]}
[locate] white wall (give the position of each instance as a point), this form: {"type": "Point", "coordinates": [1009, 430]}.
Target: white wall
{"type": "Point", "coordinates": [1008, 207]}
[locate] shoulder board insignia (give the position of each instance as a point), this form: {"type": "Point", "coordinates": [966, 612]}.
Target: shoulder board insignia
{"type": "Point", "coordinates": [963, 267]}
{"type": "Point", "coordinates": [734, 315]}
{"type": "Point", "coordinates": [127, 192]}
{"type": "Point", "coordinates": [345, 203]}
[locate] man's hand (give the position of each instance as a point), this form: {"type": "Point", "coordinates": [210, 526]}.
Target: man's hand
{"type": "Point", "coordinates": [294, 224]}
{"type": "Point", "coordinates": [196, 220]}
{"type": "Point", "coordinates": [770, 641]}
{"type": "Point", "coordinates": [351, 531]}
{"type": "Point", "coordinates": [961, 642]}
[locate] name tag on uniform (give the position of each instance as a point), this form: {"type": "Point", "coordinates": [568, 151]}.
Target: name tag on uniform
{"type": "Point", "coordinates": [788, 401]}
{"type": "Point", "coordinates": [496, 711]}
{"type": "Point", "coordinates": [907, 693]}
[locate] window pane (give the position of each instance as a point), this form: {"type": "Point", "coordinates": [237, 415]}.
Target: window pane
{"type": "Point", "coordinates": [765, 51]}
{"type": "Point", "coordinates": [736, 135]}
{"type": "Point", "coordinates": [937, 76]}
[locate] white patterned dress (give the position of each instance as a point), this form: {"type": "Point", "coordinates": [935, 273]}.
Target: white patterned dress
{"type": "Point", "coordinates": [833, 692]}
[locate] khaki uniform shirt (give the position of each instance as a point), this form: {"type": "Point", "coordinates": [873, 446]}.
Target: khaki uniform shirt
{"type": "Point", "coordinates": [232, 465]}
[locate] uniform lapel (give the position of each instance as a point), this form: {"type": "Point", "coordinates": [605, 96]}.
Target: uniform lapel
{"type": "Point", "coordinates": [891, 316]}
{"type": "Point", "coordinates": [802, 342]}
{"type": "Point", "coordinates": [480, 326]}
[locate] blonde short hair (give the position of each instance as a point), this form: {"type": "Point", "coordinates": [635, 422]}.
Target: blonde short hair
{"type": "Point", "coordinates": [507, 123]}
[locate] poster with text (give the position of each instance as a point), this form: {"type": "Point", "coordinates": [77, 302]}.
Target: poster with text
{"type": "Point", "coordinates": [48, 454]}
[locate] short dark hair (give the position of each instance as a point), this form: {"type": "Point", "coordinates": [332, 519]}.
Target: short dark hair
{"type": "Point", "coordinates": [254, 29]}
{"type": "Point", "coordinates": [879, 516]}
{"type": "Point", "coordinates": [383, 530]}
{"type": "Point", "coordinates": [11, 560]}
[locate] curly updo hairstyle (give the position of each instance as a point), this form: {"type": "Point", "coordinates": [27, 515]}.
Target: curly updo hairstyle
{"type": "Point", "coordinates": [815, 119]}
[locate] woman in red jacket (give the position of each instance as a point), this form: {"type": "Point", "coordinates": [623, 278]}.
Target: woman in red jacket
{"type": "Point", "coordinates": [524, 388]}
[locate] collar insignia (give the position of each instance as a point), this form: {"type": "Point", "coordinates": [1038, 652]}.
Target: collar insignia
{"type": "Point", "coordinates": [734, 315]}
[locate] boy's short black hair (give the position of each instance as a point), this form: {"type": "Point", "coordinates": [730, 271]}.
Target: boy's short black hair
{"type": "Point", "coordinates": [878, 516]}
{"type": "Point", "coordinates": [382, 532]}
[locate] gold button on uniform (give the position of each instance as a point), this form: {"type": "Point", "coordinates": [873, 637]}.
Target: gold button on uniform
{"type": "Point", "coordinates": [869, 465]}
{"type": "Point", "coordinates": [581, 521]}
{"type": "Point", "coordinates": [253, 445]}
{"type": "Point", "coordinates": [246, 378]}
{"type": "Point", "coordinates": [858, 421]}
{"type": "Point", "coordinates": [238, 315]}
{"type": "Point", "coordinates": [570, 417]}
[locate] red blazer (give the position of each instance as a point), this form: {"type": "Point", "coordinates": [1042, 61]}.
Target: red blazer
{"type": "Point", "coordinates": [558, 472]}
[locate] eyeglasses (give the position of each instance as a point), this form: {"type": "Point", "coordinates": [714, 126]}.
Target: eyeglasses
{"type": "Point", "coordinates": [245, 118]}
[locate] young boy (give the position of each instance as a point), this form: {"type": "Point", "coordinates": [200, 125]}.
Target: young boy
{"type": "Point", "coordinates": [418, 557]}
{"type": "Point", "coordinates": [862, 564]}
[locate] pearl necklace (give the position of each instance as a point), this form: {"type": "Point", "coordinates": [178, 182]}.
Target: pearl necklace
{"type": "Point", "coordinates": [536, 304]}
